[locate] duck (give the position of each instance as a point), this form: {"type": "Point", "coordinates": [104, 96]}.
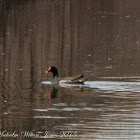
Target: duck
{"type": "Point", "coordinates": [79, 79]}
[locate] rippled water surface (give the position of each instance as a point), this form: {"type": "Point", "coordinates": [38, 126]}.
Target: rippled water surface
{"type": "Point", "coordinates": [97, 38]}
{"type": "Point", "coordinates": [95, 110]}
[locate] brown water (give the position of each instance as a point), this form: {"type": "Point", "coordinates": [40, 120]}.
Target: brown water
{"type": "Point", "coordinates": [99, 38]}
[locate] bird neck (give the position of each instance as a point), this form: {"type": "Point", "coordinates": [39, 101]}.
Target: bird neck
{"type": "Point", "coordinates": [55, 74]}
{"type": "Point", "coordinates": [55, 79]}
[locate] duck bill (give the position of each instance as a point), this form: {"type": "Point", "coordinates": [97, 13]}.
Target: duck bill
{"type": "Point", "coordinates": [48, 70]}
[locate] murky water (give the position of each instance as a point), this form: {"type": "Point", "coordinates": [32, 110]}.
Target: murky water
{"type": "Point", "coordinates": [99, 38]}
{"type": "Point", "coordinates": [95, 110]}
{"type": "Point", "coordinates": [98, 110]}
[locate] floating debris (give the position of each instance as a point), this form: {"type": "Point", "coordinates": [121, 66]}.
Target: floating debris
{"type": "Point", "coordinates": [127, 16]}
{"type": "Point", "coordinates": [109, 67]}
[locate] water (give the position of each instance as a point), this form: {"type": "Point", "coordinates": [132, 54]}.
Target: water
{"type": "Point", "coordinates": [98, 38]}
{"type": "Point", "coordinates": [95, 110]}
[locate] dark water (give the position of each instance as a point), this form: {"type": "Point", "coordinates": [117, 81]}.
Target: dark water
{"type": "Point", "coordinates": [99, 38]}
{"type": "Point", "coordinates": [96, 110]}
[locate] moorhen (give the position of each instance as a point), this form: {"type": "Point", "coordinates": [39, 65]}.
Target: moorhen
{"type": "Point", "coordinates": [79, 79]}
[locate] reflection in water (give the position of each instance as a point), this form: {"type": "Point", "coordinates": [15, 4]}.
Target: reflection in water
{"type": "Point", "coordinates": [96, 110]}
{"type": "Point", "coordinates": [53, 93]}
{"type": "Point", "coordinates": [111, 114]}
{"type": "Point", "coordinates": [71, 35]}
{"type": "Point", "coordinates": [97, 38]}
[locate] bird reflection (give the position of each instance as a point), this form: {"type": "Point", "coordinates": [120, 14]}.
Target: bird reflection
{"type": "Point", "coordinates": [53, 93]}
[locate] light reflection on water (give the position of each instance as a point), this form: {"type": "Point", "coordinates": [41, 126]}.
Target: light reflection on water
{"type": "Point", "coordinates": [97, 115]}
{"type": "Point", "coordinates": [96, 110]}
{"type": "Point", "coordinates": [73, 36]}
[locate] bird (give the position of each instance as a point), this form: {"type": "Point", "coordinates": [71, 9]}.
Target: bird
{"type": "Point", "coordinates": [79, 79]}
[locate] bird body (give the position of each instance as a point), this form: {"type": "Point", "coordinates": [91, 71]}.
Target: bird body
{"type": "Point", "coordinates": [79, 79]}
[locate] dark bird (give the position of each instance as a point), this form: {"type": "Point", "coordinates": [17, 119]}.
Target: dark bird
{"type": "Point", "coordinates": [79, 79]}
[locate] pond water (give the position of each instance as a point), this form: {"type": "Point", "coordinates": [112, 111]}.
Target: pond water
{"type": "Point", "coordinates": [95, 110]}
{"type": "Point", "coordinates": [100, 39]}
